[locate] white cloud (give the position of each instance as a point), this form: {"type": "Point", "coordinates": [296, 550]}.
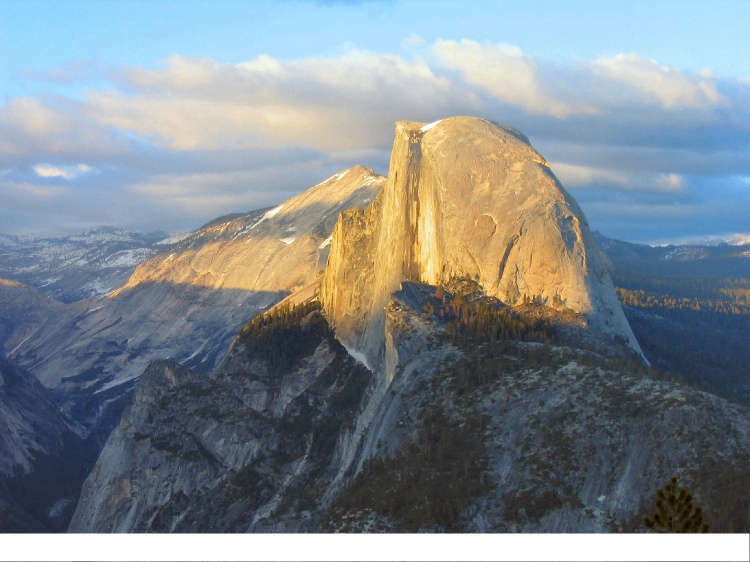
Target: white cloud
{"type": "Point", "coordinates": [27, 194]}
{"type": "Point", "coordinates": [345, 103]}
{"type": "Point", "coordinates": [670, 87]}
{"type": "Point", "coordinates": [70, 72]}
{"type": "Point", "coordinates": [61, 127]}
{"type": "Point", "coordinates": [573, 175]}
{"type": "Point", "coordinates": [579, 176]}
{"type": "Point", "coordinates": [504, 72]}
{"type": "Point", "coordinates": [198, 138]}
{"type": "Point", "coordinates": [24, 118]}
{"type": "Point", "coordinates": [210, 194]}
{"type": "Point", "coordinates": [65, 172]}
{"type": "Point", "coordinates": [669, 182]}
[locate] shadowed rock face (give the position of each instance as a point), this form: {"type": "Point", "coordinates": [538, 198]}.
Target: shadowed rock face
{"type": "Point", "coordinates": [563, 440]}
{"type": "Point", "coordinates": [466, 197]}
{"type": "Point", "coordinates": [41, 456]}
{"type": "Point", "coordinates": [197, 453]}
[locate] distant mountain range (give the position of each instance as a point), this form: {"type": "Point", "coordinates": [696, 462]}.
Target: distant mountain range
{"type": "Point", "coordinates": [100, 260]}
{"type": "Point", "coordinates": [689, 259]}
{"type": "Point", "coordinates": [71, 268]}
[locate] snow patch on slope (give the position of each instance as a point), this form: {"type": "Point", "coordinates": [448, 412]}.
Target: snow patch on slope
{"type": "Point", "coordinates": [325, 242]}
{"type": "Point", "coordinates": [174, 238]}
{"type": "Point", "coordinates": [430, 126]}
{"type": "Point", "coordinates": [269, 215]}
{"type": "Point", "coordinates": [128, 258]}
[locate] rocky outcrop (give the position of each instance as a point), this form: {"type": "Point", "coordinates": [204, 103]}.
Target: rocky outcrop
{"type": "Point", "coordinates": [243, 450]}
{"type": "Point", "coordinates": [281, 250]}
{"type": "Point", "coordinates": [535, 438]}
{"type": "Point", "coordinates": [186, 304]}
{"type": "Point", "coordinates": [466, 197]}
{"type": "Point", "coordinates": [508, 437]}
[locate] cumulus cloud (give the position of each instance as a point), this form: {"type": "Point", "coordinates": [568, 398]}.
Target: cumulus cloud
{"type": "Point", "coordinates": [506, 73]}
{"type": "Point", "coordinates": [74, 71]}
{"type": "Point", "coordinates": [27, 193]}
{"type": "Point", "coordinates": [316, 103]}
{"type": "Point", "coordinates": [209, 194]}
{"type": "Point", "coordinates": [27, 207]}
{"type": "Point", "coordinates": [36, 128]}
{"type": "Point", "coordinates": [65, 172]}
{"type": "Point", "coordinates": [195, 137]}
{"type": "Point", "coordinates": [573, 175]}
{"type": "Point", "coordinates": [413, 40]}
{"type": "Point", "coordinates": [576, 176]}
{"type": "Point", "coordinates": [670, 87]}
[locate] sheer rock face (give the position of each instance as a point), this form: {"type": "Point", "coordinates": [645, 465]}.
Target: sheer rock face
{"type": "Point", "coordinates": [466, 197]}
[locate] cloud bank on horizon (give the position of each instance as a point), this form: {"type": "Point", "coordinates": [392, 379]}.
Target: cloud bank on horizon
{"type": "Point", "coordinates": [651, 152]}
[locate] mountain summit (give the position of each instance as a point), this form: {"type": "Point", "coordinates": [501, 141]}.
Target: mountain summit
{"type": "Point", "coordinates": [466, 197]}
{"type": "Point", "coordinates": [464, 420]}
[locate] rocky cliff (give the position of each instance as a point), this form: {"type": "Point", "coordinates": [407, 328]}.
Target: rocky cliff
{"type": "Point", "coordinates": [470, 433]}
{"type": "Point", "coordinates": [466, 197]}
{"type": "Point", "coordinates": [186, 304]}
{"type": "Point", "coordinates": [238, 451]}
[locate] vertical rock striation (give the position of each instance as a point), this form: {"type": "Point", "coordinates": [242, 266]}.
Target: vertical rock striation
{"type": "Point", "coordinates": [466, 197]}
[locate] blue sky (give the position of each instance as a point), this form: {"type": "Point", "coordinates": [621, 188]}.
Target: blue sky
{"type": "Point", "coordinates": [162, 115]}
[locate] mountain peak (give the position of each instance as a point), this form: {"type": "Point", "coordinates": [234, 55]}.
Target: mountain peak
{"type": "Point", "coordinates": [463, 126]}
{"type": "Point", "coordinates": [466, 197]}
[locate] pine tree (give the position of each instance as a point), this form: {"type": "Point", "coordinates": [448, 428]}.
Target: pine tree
{"type": "Point", "coordinates": [676, 512]}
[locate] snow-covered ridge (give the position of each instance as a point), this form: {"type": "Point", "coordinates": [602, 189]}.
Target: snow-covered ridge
{"type": "Point", "coordinates": [101, 234]}
{"type": "Point", "coordinates": [684, 253]}
{"type": "Point", "coordinates": [128, 258]}
{"type": "Point", "coordinates": [8, 241]}
{"type": "Point", "coordinates": [70, 268]}
{"type": "Point", "coordinates": [738, 239]}
{"type": "Point", "coordinates": [335, 177]}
